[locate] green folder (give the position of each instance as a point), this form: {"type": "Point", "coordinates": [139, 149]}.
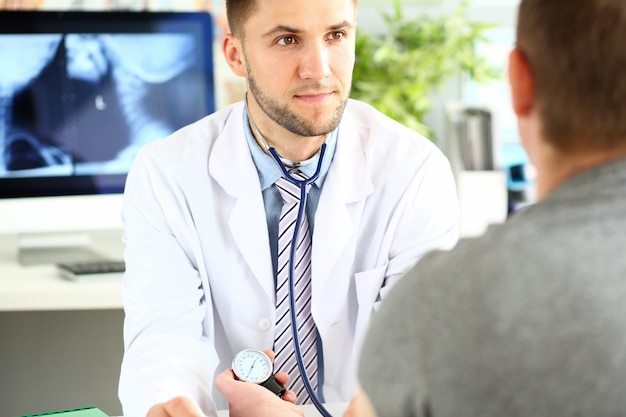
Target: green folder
{"type": "Point", "coordinates": [76, 412]}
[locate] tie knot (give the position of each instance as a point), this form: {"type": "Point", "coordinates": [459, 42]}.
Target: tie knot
{"type": "Point", "coordinates": [289, 191]}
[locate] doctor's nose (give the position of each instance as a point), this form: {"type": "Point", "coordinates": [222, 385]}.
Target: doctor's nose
{"type": "Point", "coordinates": [315, 62]}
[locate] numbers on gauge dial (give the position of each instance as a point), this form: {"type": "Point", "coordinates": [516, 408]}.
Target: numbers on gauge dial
{"type": "Point", "coordinates": [253, 366]}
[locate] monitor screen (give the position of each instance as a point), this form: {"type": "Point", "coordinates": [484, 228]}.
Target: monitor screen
{"type": "Point", "coordinates": [80, 93]}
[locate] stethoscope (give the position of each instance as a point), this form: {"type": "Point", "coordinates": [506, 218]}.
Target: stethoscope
{"type": "Point", "coordinates": [302, 184]}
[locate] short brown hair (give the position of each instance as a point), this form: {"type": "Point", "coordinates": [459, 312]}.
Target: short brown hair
{"type": "Point", "coordinates": [237, 12]}
{"type": "Point", "coordinates": [577, 54]}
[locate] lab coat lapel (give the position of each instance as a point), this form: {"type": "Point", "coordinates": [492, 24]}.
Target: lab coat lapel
{"type": "Point", "coordinates": [340, 207]}
{"type": "Point", "coordinates": [232, 167]}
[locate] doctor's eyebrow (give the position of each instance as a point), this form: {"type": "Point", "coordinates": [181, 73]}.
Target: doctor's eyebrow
{"type": "Point", "coordinates": [288, 29]}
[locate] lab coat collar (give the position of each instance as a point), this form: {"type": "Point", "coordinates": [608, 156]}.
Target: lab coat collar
{"type": "Point", "coordinates": [341, 203]}
{"type": "Point", "coordinates": [269, 172]}
{"type": "Point", "coordinates": [231, 166]}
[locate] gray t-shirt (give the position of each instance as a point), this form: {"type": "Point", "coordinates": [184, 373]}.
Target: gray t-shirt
{"type": "Point", "coordinates": [528, 320]}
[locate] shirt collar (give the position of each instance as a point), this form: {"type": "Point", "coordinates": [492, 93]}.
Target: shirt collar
{"type": "Point", "coordinates": [269, 172]}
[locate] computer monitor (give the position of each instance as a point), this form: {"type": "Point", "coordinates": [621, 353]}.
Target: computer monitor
{"type": "Point", "coordinates": [80, 93]}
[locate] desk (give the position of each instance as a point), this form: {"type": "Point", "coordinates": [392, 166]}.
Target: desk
{"type": "Point", "coordinates": [61, 340]}
{"type": "Point", "coordinates": [41, 288]}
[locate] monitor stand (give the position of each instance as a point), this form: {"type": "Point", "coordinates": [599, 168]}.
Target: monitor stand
{"type": "Point", "coordinates": [55, 248]}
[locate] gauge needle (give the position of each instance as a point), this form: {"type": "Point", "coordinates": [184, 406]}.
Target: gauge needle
{"type": "Point", "coordinates": [251, 368]}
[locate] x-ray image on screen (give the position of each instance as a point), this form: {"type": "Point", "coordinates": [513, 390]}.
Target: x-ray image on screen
{"type": "Point", "coordinates": [82, 104]}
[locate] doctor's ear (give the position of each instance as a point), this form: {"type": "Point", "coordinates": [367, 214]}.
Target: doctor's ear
{"type": "Point", "coordinates": [232, 49]}
{"type": "Point", "coordinates": [521, 82]}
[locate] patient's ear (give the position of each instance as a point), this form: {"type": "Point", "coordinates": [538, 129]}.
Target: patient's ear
{"type": "Point", "coordinates": [521, 83]}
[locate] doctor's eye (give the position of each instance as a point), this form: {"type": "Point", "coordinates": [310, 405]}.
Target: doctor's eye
{"type": "Point", "coordinates": [287, 40]}
{"type": "Point", "coordinates": [336, 36]}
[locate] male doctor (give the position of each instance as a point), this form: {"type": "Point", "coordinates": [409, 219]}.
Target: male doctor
{"type": "Point", "coordinates": [202, 214]}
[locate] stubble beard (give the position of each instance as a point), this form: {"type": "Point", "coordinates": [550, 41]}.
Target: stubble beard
{"type": "Point", "coordinates": [288, 119]}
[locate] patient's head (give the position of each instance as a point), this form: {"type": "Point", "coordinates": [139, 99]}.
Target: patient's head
{"type": "Point", "coordinates": [577, 54]}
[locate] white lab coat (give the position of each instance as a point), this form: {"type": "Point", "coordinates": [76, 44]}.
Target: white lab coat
{"type": "Point", "coordinates": [199, 284]}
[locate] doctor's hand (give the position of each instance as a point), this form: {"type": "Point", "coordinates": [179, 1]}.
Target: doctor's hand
{"type": "Point", "coordinates": [176, 407]}
{"type": "Point", "coordinates": [248, 399]}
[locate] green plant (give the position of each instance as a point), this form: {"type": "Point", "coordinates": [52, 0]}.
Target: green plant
{"type": "Point", "coordinates": [396, 72]}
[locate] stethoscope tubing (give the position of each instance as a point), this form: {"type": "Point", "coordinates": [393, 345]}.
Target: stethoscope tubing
{"type": "Point", "coordinates": [302, 185]}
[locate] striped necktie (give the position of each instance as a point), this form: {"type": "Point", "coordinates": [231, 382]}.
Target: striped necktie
{"type": "Point", "coordinates": [307, 332]}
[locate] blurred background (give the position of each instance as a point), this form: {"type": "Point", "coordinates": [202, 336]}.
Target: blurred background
{"type": "Point", "coordinates": [447, 56]}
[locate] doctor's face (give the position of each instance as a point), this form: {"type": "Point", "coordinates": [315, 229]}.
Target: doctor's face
{"type": "Point", "coordinates": [299, 57]}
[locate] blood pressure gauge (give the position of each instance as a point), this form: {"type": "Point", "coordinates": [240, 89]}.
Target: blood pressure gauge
{"type": "Point", "coordinates": [255, 366]}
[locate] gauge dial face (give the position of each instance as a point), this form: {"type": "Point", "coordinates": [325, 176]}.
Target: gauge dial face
{"type": "Point", "coordinates": [252, 365]}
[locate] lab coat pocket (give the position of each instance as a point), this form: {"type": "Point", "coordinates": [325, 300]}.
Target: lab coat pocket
{"type": "Point", "coordinates": [368, 285]}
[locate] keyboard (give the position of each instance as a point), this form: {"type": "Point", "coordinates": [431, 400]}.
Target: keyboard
{"type": "Point", "coordinates": [91, 270]}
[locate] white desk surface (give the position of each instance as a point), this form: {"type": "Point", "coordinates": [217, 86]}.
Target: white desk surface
{"type": "Point", "coordinates": [40, 287]}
